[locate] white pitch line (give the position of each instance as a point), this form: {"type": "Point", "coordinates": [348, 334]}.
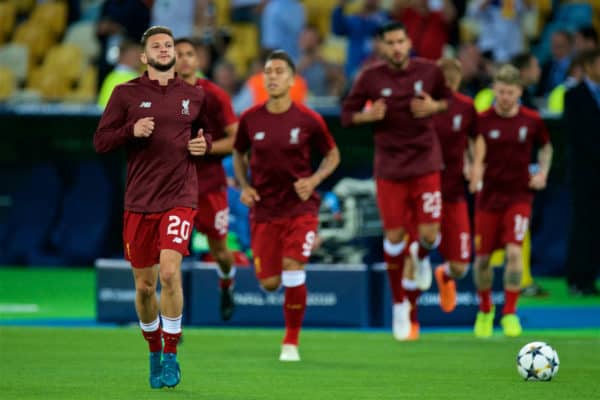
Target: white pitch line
{"type": "Point", "coordinates": [18, 308]}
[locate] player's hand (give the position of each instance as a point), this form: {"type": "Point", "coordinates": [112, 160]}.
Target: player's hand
{"type": "Point", "coordinates": [423, 106]}
{"type": "Point", "coordinates": [143, 127]}
{"type": "Point", "coordinates": [305, 187]}
{"type": "Point", "coordinates": [476, 178]}
{"type": "Point", "coordinates": [538, 181]}
{"type": "Point", "coordinates": [467, 170]}
{"type": "Point", "coordinates": [249, 196]}
{"type": "Point", "coordinates": [197, 146]}
{"type": "Point", "coordinates": [377, 110]}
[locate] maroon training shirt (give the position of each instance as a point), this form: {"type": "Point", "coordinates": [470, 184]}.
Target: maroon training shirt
{"type": "Point", "coordinates": [454, 127]}
{"type": "Point", "coordinates": [405, 146]}
{"type": "Point", "coordinates": [161, 173]}
{"type": "Point", "coordinates": [280, 155]}
{"type": "Point", "coordinates": [211, 174]}
{"type": "Point", "coordinates": [509, 143]}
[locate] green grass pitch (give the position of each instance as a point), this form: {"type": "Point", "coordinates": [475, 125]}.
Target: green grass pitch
{"type": "Point", "coordinates": [111, 363]}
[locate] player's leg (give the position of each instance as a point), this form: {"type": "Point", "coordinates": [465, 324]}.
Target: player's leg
{"type": "Point", "coordinates": [298, 241]}
{"type": "Point", "coordinates": [426, 199]}
{"type": "Point", "coordinates": [391, 200]}
{"type": "Point", "coordinates": [487, 225]}
{"type": "Point", "coordinates": [174, 231]}
{"type": "Point", "coordinates": [456, 249]}
{"type": "Point", "coordinates": [515, 225]}
{"type": "Point", "coordinates": [212, 219]}
{"type": "Point", "coordinates": [140, 242]}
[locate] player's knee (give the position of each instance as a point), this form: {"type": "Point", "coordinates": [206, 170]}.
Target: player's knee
{"type": "Point", "coordinates": [459, 269]}
{"type": "Point", "coordinates": [482, 263]}
{"type": "Point", "coordinates": [429, 234]}
{"type": "Point", "coordinates": [395, 236]}
{"type": "Point", "coordinates": [271, 284]}
{"type": "Point", "coordinates": [513, 255]}
{"type": "Point", "coordinates": [145, 289]}
{"type": "Point", "coordinates": [169, 277]}
{"type": "Point", "coordinates": [222, 256]}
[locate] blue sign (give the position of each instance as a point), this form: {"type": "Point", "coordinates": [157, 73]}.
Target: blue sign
{"type": "Point", "coordinates": [338, 295]}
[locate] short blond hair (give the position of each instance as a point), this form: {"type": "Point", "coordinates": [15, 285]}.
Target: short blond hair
{"type": "Point", "coordinates": [452, 70]}
{"type": "Point", "coordinates": [508, 74]}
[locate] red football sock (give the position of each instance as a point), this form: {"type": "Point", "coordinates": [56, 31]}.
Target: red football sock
{"type": "Point", "coordinates": [485, 300]}
{"type": "Point", "coordinates": [395, 270]}
{"type": "Point", "coordinates": [413, 296]}
{"type": "Point", "coordinates": [154, 340]}
{"type": "Point", "coordinates": [225, 283]}
{"type": "Point", "coordinates": [294, 306]}
{"type": "Point", "coordinates": [171, 340]}
{"type": "Point", "coordinates": [510, 302]}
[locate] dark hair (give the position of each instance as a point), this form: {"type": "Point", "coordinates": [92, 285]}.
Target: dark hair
{"type": "Point", "coordinates": [589, 32]}
{"type": "Point", "coordinates": [185, 40]}
{"type": "Point", "coordinates": [389, 27]}
{"type": "Point", "coordinates": [155, 30]}
{"type": "Point", "coordinates": [281, 55]}
{"type": "Point", "coordinates": [577, 62]}
{"type": "Point", "coordinates": [568, 35]}
{"type": "Point", "coordinates": [521, 60]}
{"type": "Point", "coordinates": [589, 57]}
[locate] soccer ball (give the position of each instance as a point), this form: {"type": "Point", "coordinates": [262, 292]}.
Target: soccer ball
{"type": "Point", "coordinates": [537, 361]}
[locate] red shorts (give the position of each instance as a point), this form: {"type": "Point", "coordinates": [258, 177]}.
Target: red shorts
{"type": "Point", "coordinates": [494, 230]}
{"type": "Point", "coordinates": [212, 215]}
{"type": "Point", "coordinates": [419, 196]}
{"type": "Point", "coordinates": [145, 235]}
{"type": "Point", "coordinates": [456, 232]}
{"type": "Point", "coordinates": [287, 237]}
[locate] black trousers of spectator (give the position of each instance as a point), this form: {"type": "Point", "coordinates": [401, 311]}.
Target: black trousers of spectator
{"type": "Point", "coordinates": [583, 261]}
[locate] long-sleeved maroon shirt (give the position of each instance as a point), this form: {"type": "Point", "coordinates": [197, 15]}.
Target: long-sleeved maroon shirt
{"type": "Point", "coordinates": [405, 146]}
{"type": "Point", "coordinates": [161, 173]}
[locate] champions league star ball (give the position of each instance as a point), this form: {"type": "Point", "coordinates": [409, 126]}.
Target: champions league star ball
{"type": "Point", "coordinates": [537, 361]}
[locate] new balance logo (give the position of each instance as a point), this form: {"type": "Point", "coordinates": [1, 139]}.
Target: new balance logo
{"type": "Point", "coordinates": [259, 136]}
{"type": "Point", "coordinates": [145, 104]}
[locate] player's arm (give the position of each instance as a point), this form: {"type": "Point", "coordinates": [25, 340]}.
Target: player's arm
{"type": "Point", "coordinates": [249, 195]}
{"type": "Point", "coordinates": [201, 144]}
{"type": "Point", "coordinates": [306, 186]}
{"type": "Point", "coordinates": [468, 158]}
{"type": "Point", "coordinates": [538, 180]}
{"type": "Point", "coordinates": [225, 145]}
{"type": "Point", "coordinates": [426, 106]}
{"type": "Point", "coordinates": [114, 131]}
{"type": "Point", "coordinates": [476, 178]}
{"type": "Point", "coordinates": [353, 108]}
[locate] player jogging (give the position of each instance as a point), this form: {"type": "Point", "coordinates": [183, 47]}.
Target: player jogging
{"type": "Point", "coordinates": [506, 134]}
{"type": "Point", "coordinates": [280, 135]}
{"type": "Point", "coordinates": [455, 128]}
{"type": "Point", "coordinates": [405, 93]}
{"type": "Point", "coordinates": [212, 215]}
{"type": "Point", "coordinates": [157, 117]}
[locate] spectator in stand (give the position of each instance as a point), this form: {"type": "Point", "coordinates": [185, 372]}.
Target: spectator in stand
{"type": "Point", "coordinates": [322, 78]}
{"type": "Point", "coordinates": [127, 69]}
{"type": "Point", "coordinates": [184, 17]}
{"type": "Point", "coordinates": [281, 25]}
{"type": "Point", "coordinates": [586, 38]}
{"type": "Point", "coordinates": [246, 10]}
{"type": "Point", "coordinates": [500, 26]}
{"type": "Point", "coordinates": [225, 76]}
{"type": "Point", "coordinates": [556, 98]}
{"type": "Point", "coordinates": [554, 72]}
{"type": "Point", "coordinates": [360, 29]}
{"type": "Point", "coordinates": [474, 68]}
{"type": "Point", "coordinates": [427, 24]}
{"type": "Point", "coordinates": [119, 19]}
{"type": "Point", "coordinates": [530, 72]}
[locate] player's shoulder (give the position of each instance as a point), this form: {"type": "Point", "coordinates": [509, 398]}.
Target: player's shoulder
{"type": "Point", "coordinates": [188, 90]}
{"type": "Point", "coordinates": [530, 113]}
{"type": "Point", "coordinates": [131, 85]}
{"type": "Point", "coordinates": [256, 109]}
{"type": "Point", "coordinates": [212, 87]}
{"type": "Point", "coordinates": [420, 62]}
{"type": "Point", "coordinates": [488, 113]}
{"type": "Point", "coordinates": [308, 112]}
{"type": "Point", "coordinates": [373, 68]}
{"type": "Point", "coordinates": [464, 99]}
